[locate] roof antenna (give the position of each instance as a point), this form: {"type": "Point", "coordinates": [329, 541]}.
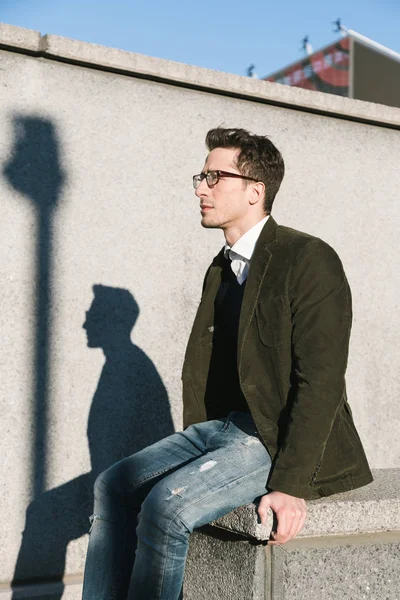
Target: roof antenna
{"type": "Point", "coordinates": [339, 27]}
{"type": "Point", "coordinates": [306, 46]}
{"type": "Point", "coordinates": [251, 72]}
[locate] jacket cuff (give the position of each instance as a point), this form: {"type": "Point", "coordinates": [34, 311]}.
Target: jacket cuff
{"type": "Point", "coordinates": [291, 481]}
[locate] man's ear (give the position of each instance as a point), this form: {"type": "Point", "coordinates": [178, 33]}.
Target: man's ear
{"type": "Point", "coordinates": [257, 192]}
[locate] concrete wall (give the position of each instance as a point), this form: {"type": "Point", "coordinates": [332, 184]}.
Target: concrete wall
{"type": "Point", "coordinates": [97, 150]}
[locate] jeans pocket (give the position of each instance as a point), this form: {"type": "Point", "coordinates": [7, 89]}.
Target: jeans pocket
{"type": "Point", "coordinates": [226, 424]}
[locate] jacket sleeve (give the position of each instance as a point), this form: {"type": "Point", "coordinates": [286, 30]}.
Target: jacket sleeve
{"type": "Point", "coordinates": [321, 321]}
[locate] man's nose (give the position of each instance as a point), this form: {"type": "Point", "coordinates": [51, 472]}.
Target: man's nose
{"type": "Point", "coordinates": [202, 189]}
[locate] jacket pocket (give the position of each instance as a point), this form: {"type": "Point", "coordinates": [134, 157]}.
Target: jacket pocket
{"type": "Point", "coordinates": [273, 322]}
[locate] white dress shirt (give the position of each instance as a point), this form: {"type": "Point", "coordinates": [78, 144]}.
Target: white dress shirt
{"type": "Point", "coordinates": [242, 250]}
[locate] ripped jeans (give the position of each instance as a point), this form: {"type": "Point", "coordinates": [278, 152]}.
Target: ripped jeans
{"type": "Point", "coordinates": [147, 505]}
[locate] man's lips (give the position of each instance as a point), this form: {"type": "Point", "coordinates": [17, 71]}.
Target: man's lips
{"type": "Point", "coordinates": [205, 207]}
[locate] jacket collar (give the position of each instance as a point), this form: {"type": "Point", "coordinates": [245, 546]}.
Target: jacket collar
{"type": "Point", "coordinates": [258, 268]}
{"type": "Point", "coordinates": [243, 248]}
{"type": "Point", "coordinates": [266, 238]}
{"type": "Point", "coordinates": [268, 233]}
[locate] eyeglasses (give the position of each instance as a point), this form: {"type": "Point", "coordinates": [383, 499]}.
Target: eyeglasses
{"type": "Point", "coordinates": [212, 177]}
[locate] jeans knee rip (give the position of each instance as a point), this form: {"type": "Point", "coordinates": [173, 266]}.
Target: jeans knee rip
{"type": "Point", "coordinates": [176, 492]}
{"type": "Point", "coordinates": [207, 465]}
{"type": "Point", "coordinates": [93, 519]}
{"type": "Point", "coordinates": [251, 440]}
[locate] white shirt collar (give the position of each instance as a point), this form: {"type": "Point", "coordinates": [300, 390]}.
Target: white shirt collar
{"type": "Point", "coordinates": [242, 251]}
{"type": "Point", "coordinates": [244, 247]}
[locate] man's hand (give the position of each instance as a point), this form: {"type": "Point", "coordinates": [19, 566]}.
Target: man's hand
{"type": "Point", "coordinates": [290, 513]}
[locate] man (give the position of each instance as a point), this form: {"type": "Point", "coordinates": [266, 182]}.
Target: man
{"type": "Point", "coordinates": [265, 409]}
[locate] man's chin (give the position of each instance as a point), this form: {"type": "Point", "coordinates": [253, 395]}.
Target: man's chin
{"type": "Point", "coordinates": [208, 224]}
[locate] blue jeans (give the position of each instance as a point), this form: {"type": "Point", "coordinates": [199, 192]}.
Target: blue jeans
{"type": "Point", "coordinates": [147, 505]}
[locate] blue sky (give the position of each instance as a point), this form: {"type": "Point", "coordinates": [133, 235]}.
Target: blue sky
{"type": "Point", "coordinates": [220, 34]}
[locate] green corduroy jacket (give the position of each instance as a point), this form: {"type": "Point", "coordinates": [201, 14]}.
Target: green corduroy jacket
{"type": "Point", "coordinates": [293, 342]}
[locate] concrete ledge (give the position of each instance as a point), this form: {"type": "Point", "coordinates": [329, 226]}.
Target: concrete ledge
{"type": "Point", "coordinates": [373, 508]}
{"type": "Point", "coordinates": [348, 549]}
{"type": "Point", "coordinates": [128, 63]}
{"type": "Point", "coordinates": [19, 38]}
{"type": "Point", "coordinates": [334, 557]}
{"type": "Point", "coordinates": [217, 81]}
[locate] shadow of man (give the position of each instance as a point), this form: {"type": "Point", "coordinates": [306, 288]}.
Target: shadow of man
{"type": "Point", "coordinates": [129, 411]}
{"type": "Point", "coordinates": [130, 408]}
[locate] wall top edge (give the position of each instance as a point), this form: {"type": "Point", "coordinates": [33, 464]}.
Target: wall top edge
{"type": "Point", "coordinates": [103, 57]}
{"type": "Point", "coordinates": [19, 37]}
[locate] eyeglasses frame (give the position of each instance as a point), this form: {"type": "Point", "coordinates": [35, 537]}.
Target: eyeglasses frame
{"type": "Point", "coordinates": [219, 175]}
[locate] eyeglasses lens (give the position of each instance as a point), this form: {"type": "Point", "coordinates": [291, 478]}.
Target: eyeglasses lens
{"type": "Point", "coordinates": [212, 178]}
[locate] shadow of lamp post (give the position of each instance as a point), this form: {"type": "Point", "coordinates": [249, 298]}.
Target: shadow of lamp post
{"type": "Point", "coordinates": [34, 170]}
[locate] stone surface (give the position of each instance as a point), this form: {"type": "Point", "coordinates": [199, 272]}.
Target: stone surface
{"type": "Point", "coordinates": [369, 571]}
{"type": "Point", "coordinates": [224, 570]}
{"type": "Point", "coordinates": [215, 80]}
{"type": "Point", "coordinates": [348, 567]}
{"type": "Point", "coordinates": [375, 507]}
{"type": "Point", "coordinates": [19, 37]}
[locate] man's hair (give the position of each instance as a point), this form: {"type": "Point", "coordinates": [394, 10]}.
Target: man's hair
{"type": "Point", "coordinates": [257, 158]}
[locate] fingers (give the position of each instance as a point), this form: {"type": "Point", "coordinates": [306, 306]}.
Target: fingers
{"type": "Point", "coordinates": [262, 515]}
{"type": "Point", "coordinates": [296, 525]}
{"type": "Point", "coordinates": [263, 509]}
{"type": "Point", "coordinates": [283, 526]}
{"type": "Point", "coordinates": [293, 524]}
{"type": "Point", "coordinates": [280, 536]}
{"type": "Point", "coordinates": [291, 515]}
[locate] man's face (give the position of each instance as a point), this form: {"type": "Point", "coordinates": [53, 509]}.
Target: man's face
{"type": "Point", "coordinates": [226, 204]}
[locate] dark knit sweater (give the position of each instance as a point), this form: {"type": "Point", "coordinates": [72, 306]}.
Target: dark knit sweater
{"type": "Point", "coordinates": [223, 393]}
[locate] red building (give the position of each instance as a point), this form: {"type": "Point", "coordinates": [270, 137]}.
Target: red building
{"type": "Point", "coordinates": [354, 66]}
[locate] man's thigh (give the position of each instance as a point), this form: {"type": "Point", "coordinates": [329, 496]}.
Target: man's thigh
{"type": "Point", "coordinates": [136, 474]}
{"type": "Point", "coordinates": [232, 472]}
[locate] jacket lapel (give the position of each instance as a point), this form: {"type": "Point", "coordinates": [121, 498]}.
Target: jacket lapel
{"type": "Point", "coordinates": [213, 283]}
{"type": "Point", "coordinates": [258, 268]}
{"type": "Point", "coordinates": [205, 313]}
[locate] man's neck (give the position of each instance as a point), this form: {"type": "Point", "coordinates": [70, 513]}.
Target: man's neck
{"type": "Point", "coordinates": [234, 232]}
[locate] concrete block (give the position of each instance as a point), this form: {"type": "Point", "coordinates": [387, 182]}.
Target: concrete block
{"type": "Point", "coordinates": [348, 571]}
{"type": "Point", "coordinates": [346, 567]}
{"type": "Point", "coordinates": [19, 37]}
{"type": "Point", "coordinates": [375, 507]}
{"type": "Point", "coordinates": [333, 557]}
{"type": "Point", "coordinates": [224, 570]}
